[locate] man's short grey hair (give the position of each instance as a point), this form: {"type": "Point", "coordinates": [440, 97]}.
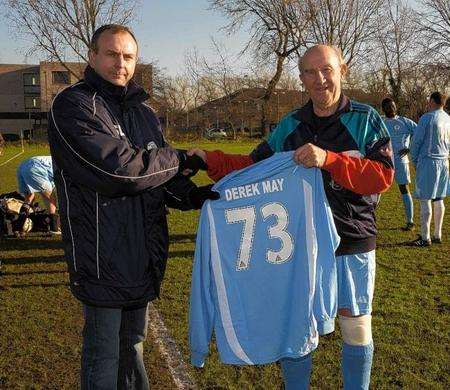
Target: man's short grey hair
{"type": "Point", "coordinates": [337, 51]}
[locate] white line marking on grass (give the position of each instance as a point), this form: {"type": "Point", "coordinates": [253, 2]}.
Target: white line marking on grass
{"type": "Point", "coordinates": [13, 157]}
{"type": "Point", "coordinates": [169, 350]}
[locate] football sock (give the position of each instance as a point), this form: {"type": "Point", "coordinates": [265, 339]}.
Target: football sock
{"type": "Point", "coordinates": [296, 372]}
{"type": "Point", "coordinates": [409, 208]}
{"type": "Point", "coordinates": [439, 210]}
{"type": "Point", "coordinates": [356, 366]}
{"type": "Point", "coordinates": [425, 219]}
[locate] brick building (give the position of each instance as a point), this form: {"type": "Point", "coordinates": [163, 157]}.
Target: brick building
{"type": "Point", "coordinates": [241, 110]}
{"type": "Point", "coordinates": [27, 91]}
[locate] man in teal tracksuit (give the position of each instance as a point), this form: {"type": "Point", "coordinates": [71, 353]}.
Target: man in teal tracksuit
{"type": "Point", "coordinates": [351, 145]}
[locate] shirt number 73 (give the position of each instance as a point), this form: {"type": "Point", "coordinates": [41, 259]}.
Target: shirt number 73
{"type": "Point", "coordinates": [248, 217]}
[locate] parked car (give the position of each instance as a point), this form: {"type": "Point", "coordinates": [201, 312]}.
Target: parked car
{"type": "Point", "coordinates": [215, 133]}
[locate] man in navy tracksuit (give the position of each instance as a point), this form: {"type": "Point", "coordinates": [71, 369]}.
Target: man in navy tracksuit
{"type": "Point", "coordinates": [115, 175]}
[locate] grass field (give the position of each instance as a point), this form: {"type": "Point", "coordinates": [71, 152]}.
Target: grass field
{"type": "Point", "coordinates": [41, 321]}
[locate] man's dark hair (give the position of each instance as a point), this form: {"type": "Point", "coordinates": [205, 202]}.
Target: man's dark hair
{"type": "Point", "coordinates": [113, 29]}
{"type": "Point", "coordinates": [389, 107]}
{"type": "Point", "coordinates": [438, 98]}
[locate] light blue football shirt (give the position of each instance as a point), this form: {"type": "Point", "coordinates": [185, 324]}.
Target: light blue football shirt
{"type": "Point", "coordinates": [262, 250]}
{"type": "Point", "coordinates": [432, 137]}
{"type": "Point", "coordinates": [400, 130]}
{"type": "Point", "coordinates": [35, 174]}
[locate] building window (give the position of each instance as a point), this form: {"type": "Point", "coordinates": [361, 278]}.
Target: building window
{"type": "Point", "coordinates": [31, 79]}
{"type": "Point", "coordinates": [32, 102]}
{"type": "Point", "coordinates": [60, 77]}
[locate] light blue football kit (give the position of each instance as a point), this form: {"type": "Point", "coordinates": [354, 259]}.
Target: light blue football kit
{"type": "Point", "coordinates": [264, 265]}
{"type": "Point", "coordinates": [400, 130]}
{"type": "Point", "coordinates": [429, 153]}
{"type": "Point", "coordinates": [35, 175]}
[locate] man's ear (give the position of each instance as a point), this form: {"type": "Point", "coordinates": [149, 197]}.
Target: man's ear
{"type": "Point", "coordinates": [91, 57]}
{"type": "Point", "coordinates": [344, 70]}
{"type": "Point", "coordinates": [301, 78]}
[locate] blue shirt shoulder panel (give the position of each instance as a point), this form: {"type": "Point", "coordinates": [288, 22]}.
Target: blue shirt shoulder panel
{"type": "Point", "coordinates": [365, 125]}
{"type": "Point", "coordinates": [286, 126]}
{"type": "Point", "coordinates": [426, 118]}
{"type": "Point", "coordinates": [410, 124]}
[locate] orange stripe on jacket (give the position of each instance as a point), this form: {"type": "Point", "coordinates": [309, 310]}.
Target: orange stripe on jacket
{"type": "Point", "coordinates": [220, 164]}
{"type": "Point", "coordinates": [360, 175]}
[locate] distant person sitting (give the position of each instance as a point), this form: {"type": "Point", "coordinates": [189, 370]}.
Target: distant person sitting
{"type": "Point", "coordinates": [401, 130]}
{"type": "Point", "coordinates": [35, 175]}
{"type": "Point", "coordinates": [429, 152]}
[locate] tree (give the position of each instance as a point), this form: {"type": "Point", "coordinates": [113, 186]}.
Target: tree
{"type": "Point", "coordinates": [397, 45]}
{"type": "Point", "coordinates": [434, 22]}
{"type": "Point", "coordinates": [276, 32]}
{"type": "Point", "coordinates": [62, 28]}
{"type": "Point", "coordinates": [221, 76]}
{"type": "Point", "coordinates": [201, 89]}
{"type": "Point", "coordinates": [347, 24]}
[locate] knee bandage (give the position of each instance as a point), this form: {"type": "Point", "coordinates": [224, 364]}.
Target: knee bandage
{"type": "Point", "coordinates": [356, 330]}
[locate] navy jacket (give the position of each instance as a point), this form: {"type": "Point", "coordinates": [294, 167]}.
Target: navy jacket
{"type": "Point", "coordinates": [114, 175]}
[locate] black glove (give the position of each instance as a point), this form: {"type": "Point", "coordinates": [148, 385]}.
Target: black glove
{"type": "Point", "coordinates": [403, 152]}
{"type": "Point", "coordinates": [198, 195]}
{"type": "Point", "coordinates": [193, 163]}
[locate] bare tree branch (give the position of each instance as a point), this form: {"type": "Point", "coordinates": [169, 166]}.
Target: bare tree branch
{"type": "Point", "coordinates": [277, 30]}
{"type": "Point", "coordinates": [434, 22]}
{"type": "Point", "coordinates": [62, 28]}
{"type": "Point", "coordinates": [397, 45]}
{"type": "Point", "coordinates": [347, 24]}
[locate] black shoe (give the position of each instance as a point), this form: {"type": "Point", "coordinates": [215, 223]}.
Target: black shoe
{"type": "Point", "coordinates": [436, 240]}
{"type": "Point", "coordinates": [420, 243]}
{"type": "Point", "coordinates": [409, 227]}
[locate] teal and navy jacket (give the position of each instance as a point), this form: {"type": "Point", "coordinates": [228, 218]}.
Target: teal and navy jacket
{"type": "Point", "coordinates": [359, 164]}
